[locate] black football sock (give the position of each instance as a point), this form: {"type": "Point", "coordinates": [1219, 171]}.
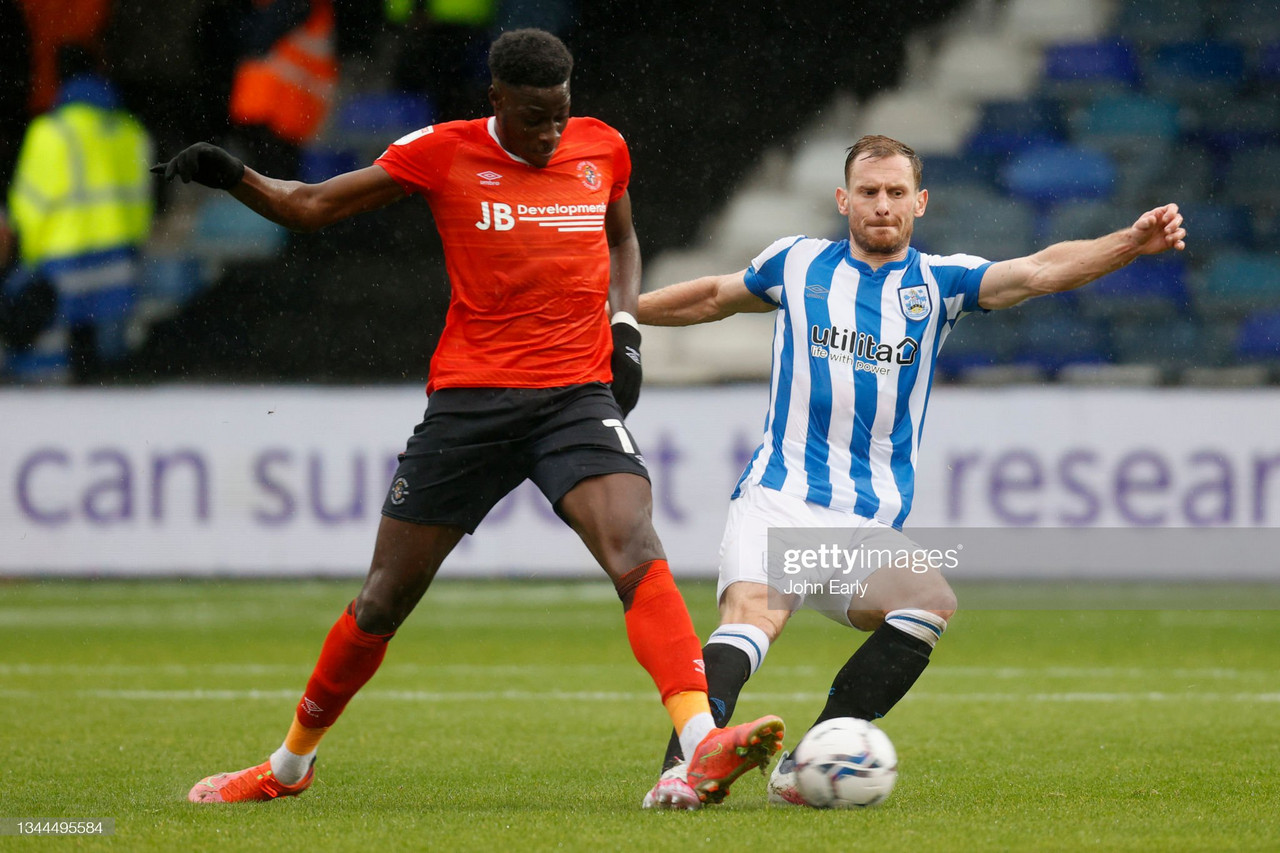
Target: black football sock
{"type": "Point", "coordinates": [728, 669]}
{"type": "Point", "coordinates": [878, 674]}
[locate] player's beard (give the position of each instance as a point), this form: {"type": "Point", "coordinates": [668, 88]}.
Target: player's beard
{"type": "Point", "coordinates": [880, 242]}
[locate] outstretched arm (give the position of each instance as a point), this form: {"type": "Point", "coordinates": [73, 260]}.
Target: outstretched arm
{"type": "Point", "coordinates": [310, 207]}
{"type": "Point", "coordinates": [1075, 263]}
{"type": "Point", "coordinates": [702, 300]}
{"type": "Point", "coordinates": [295, 205]}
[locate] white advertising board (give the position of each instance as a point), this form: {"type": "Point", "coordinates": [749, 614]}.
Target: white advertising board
{"type": "Point", "coordinates": [289, 480]}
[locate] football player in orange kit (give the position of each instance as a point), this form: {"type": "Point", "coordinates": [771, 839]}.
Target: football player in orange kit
{"type": "Point", "coordinates": [531, 380]}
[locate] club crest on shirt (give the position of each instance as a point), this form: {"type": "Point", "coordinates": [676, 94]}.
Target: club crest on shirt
{"type": "Point", "coordinates": [589, 174]}
{"type": "Point", "coordinates": [915, 301]}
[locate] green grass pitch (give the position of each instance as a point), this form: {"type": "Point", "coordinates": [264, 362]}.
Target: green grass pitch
{"type": "Point", "coordinates": [511, 715]}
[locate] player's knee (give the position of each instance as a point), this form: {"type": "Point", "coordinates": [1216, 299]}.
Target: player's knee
{"type": "Point", "coordinates": [376, 614]}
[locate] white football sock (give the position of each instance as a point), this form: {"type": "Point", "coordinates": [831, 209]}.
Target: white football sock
{"type": "Point", "coordinates": [289, 767]}
{"type": "Point", "coordinates": [698, 727]}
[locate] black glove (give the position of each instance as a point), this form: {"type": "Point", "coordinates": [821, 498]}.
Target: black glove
{"type": "Point", "coordinates": [626, 366]}
{"type": "Point", "coordinates": [205, 164]}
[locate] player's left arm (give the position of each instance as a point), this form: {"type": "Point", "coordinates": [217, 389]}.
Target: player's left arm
{"type": "Point", "coordinates": [1075, 263]}
{"type": "Point", "coordinates": [624, 300]}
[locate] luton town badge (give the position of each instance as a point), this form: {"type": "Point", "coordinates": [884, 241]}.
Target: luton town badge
{"type": "Point", "coordinates": [914, 301]}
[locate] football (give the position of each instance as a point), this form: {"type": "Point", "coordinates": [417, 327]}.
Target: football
{"type": "Point", "coordinates": [845, 763]}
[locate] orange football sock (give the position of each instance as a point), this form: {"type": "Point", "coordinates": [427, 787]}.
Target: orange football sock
{"type": "Point", "coordinates": [661, 632]}
{"type": "Point", "coordinates": [683, 707]}
{"type": "Point", "coordinates": [302, 740]}
{"type": "Point", "coordinates": [348, 659]}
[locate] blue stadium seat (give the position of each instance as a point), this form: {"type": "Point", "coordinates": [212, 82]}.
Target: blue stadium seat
{"type": "Point", "coordinates": [1266, 65]}
{"type": "Point", "coordinates": [1051, 173]}
{"type": "Point", "coordinates": [320, 163]}
{"type": "Point", "coordinates": [1151, 288]}
{"type": "Point", "coordinates": [381, 117]}
{"type": "Point", "coordinates": [948, 170]}
{"type": "Point", "coordinates": [1125, 119]}
{"type": "Point", "coordinates": [1006, 126]}
{"type": "Point", "coordinates": [1195, 71]}
{"type": "Point", "coordinates": [1084, 69]}
{"type": "Point", "coordinates": [1259, 337]}
{"type": "Point", "coordinates": [1239, 283]}
{"type": "Point", "coordinates": [1218, 227]}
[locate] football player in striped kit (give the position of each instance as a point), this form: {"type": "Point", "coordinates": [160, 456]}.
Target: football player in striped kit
{"type": "Point", "coordinates": [859, 325]}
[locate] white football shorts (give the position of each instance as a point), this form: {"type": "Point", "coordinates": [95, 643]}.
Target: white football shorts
{"type": "Point", "coordinates": [828, 586]}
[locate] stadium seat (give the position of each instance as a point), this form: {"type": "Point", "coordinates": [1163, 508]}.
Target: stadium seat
{"type": "Point", "coordinates": [1171, 344]}
{"type": "Point", "coordinates": [1055, 341]}
{"type": "Point", "coordinates": [1082, 219]}
{"type": "Point", "coordinates": [1237, 283]}
{"type": "Point", "coordinates": [319, 163]}
{"type": "Point", "coordinates": [226, 230]}
{"type": "Point", "coordinates": [1265, 67]}
{"type": "Point", "coordinates": [1238, 123]}
{"type": "Point", "coordinates": [976, 221]}
{"type": "Point", "coordinates": [1050, 173]}
{"type": "Point", "coordinates": [984, 65]}
{"type": "Point", "coordinates": [1195, 72]}
{"type": "Point", "coordinates": [385, 116]}
{"type": "Point", "coordinates": [1246, 21]}
{"type": "Point", "coordinates": [1259, 337]}
{"type": "Point", "coordinates": [1219, 227]}
{"type": "Point", "coordinates": [1152, 288]}
{"type": "Point", "coordinates": [1007, 126]}
{"type": "Point", "coordinates": [1079, 70]}
{"type": "Point", "coordinates": [1151, 22]}
{"type": "Point", "coordinates": [1187, 176]}
{"type": "Point", "coordinates": [1039, 22]}
{"type": "Point", "coordinates": [1123, 120]}
{"type": "Point", "coordinates": [1253, 177]}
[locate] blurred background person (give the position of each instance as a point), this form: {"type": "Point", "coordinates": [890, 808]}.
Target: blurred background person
{"type": "Point", "coordinates": [284, 86]}
{"type": "Point", "coordinates": [81, 203]}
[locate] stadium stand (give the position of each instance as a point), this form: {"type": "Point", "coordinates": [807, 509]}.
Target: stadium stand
{"type": "Point", "coordinates": [1130, 104]}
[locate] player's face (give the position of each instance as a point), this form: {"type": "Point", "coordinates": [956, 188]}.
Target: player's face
{"type": "Point", "coordinates": [881, 202]}
{"type": "Point", "coordinates": [530, 119]}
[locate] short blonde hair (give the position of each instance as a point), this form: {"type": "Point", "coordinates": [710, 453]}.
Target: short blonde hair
{"type": "Point", "coordinates": [876, 147]}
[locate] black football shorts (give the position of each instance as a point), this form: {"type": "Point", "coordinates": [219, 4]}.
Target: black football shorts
{"type": "Point", "coordinates": [475, 445]}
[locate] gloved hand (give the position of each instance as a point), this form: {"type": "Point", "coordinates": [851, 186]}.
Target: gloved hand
{"type": "Point", "coordinates": [627, 372]}
{"type": "Point", "coordinates": [205, 164]}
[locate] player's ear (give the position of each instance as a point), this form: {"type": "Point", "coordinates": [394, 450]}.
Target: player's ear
{"type": "Point", "coordinates": [842, 201]}
{"type": "Point", "coordinates": [922, 201]}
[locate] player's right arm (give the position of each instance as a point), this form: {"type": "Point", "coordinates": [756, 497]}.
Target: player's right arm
{"type": "Point", "coordinates": [293, 204]}
{"type": "Point", "coordinates": [702, 300]}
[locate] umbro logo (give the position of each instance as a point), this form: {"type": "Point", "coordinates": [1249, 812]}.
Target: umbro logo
{"type": "Point", "coordinates": [489, 179]}
{"type": "Point", "coordinates": [816, 290]}
{"type": "Point", "coordinates": [311, 707]}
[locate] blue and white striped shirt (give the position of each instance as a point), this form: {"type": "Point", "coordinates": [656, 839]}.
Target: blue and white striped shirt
{"type": "Point", "coordinates": [853, 362]}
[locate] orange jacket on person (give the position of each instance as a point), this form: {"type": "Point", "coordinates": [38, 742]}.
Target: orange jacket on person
{"type": "Point", "coordinates": [290, 89]}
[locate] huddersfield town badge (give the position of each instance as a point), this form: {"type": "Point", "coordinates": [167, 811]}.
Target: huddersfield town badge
{"type": "Point", "coordinates": [915, 301]}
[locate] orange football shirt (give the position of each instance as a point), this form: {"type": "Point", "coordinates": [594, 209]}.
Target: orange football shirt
{"type": "Point", "coordinates": [525, 250]}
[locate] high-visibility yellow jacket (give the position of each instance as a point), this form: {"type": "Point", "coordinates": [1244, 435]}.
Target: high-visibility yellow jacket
{"type": "Point", "coordinates": [81, 184]}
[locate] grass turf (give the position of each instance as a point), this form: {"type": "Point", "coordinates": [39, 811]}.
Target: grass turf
{"type": "Point", "coordinates": [512, 715]}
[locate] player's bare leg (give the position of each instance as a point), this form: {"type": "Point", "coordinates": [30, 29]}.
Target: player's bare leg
{"type": "Point", "coordinates": [405, 560]}
{"type": "Point", "coordinates": [612, 514]}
